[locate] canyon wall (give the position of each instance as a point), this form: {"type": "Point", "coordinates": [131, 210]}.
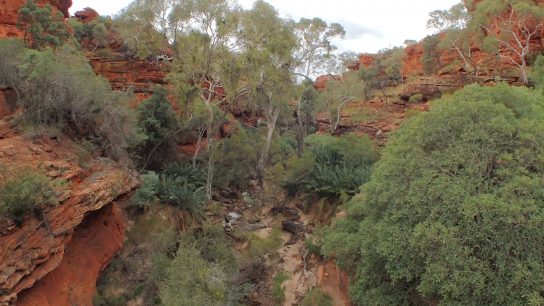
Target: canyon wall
{"type": "Point", "coordinates": [37, 247]}
{"type": "Point", "coordinates": [60, 252]}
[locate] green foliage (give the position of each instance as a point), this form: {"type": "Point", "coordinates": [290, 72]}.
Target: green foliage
{"type": "Point", "coordinates": [158, 127]}
{"type": "Point", "coordinates": [186, 173]}
{"type": "Point", "coordinates": [338, 93]}
{"type": "Point", "coordinates": [385, 70]}
{"type": "Point", "coordinates": [431, 56]}
{"type": "Point", "coordinates": [537, 72]}
{"type": "Point", "coordinates": [316, 297]}
{"type": "Point", "coordinates": [416, 98]}
{"type": "Point", "coordinates": [278, 292]}
{"type": "Point", "coordinates": [42, 26]}
{"type": "Point", "coordinates": [199, 273]}
{"type": "Point", "coordinates": [213, 245]}
{"type": "Point", "coordinates": [314, 44]}
{"type": "Point", "coordinates": [100, 35]}
{"type": "Point", "coordinates": [190, 280]}
{"type": "Point", "coordinates": [24, 193]}
{"type": "Point", "coordinates": [237, 160]}
{"type": "Point", "coordinates": [180, 193]}
{"type": "Point", "coordinates": [238, 156]}
{"type": "Point", "coordinates": [332, 166]}
{"type": "Point", "coordinates": [11, 56]}
{"type": "Point", "coordinates": [58, 89]}
{"type": "Point", "coordinates": [453, 213]}
{"type": "Point", "coordinates": [179, 185]}
{"type": "Point", "coordinates": [261, 246]}
{"type": "Point", "coordinates": [147, 193]}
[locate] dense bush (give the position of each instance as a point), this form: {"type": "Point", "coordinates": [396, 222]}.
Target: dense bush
{"type": "Point", "coordinates": [238, 155]}
{"type": "Point", "coordinates": [431, 58]}
{"type": "Point", "coordinates": [416, 98]}
{"type": "Point", "coordinates": [43, 26]}
{"type": "Point", "coordinates": [25, 193]}
{"type": "Point", "coordinates": [332, 166]}
{"type": "Point", "coordinates": [200, 272]}
{"type": "Point", "coordinates": [58, 89]}
{"type": "Point", "coordinates": [147, 193]}
{"type": "Point", "coordinates": [158, 127]}
{"type": "Point", "coordinates": [178, 185]}
{"type": "Point", "coordinates": [454, 211]}
{"type": "Point", "coordinates": [316, 297]}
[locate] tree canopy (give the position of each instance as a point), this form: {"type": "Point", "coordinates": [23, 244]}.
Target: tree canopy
{"type": "Point", "coordinates": [454, 211]}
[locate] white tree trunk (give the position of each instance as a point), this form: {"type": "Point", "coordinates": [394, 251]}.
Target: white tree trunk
{"type": "Point", "coordinates": [271, 125]}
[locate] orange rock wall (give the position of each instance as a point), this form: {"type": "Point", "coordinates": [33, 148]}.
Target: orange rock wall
{"type": "Point", "coordinates": [31, 251]}
{"type": "Point", "coordinates": [123, 73]}
{"type": "Point", "coordinates": [93, 244]}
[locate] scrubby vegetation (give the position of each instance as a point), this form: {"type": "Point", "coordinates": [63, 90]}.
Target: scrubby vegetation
{"type": "Point", "coordinates": [315, 297]}
{"type": "Point", "coordinates": [59, 90]}
{"type": "Point", "coordinates": [449, 212]}
{"type": "Point", "coordinates": [453, 210]}
{"type": "Point", "coordinates": [331, 167]}
{"type": "Point", "coordinates": [26, 193]}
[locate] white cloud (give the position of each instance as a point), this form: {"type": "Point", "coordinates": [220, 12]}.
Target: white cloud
{"type": "Point", "coordinates": [371, 24]}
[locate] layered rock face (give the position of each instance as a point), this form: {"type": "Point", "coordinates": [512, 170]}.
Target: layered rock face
{"type": "Point", "coordinates": [123, 73]}
{"type": "Point", "coordinates": [73, 282]}
{"type": "Point", "coordinates": [30, 251]}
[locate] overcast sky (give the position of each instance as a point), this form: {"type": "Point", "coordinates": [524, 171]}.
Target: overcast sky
{"type": "Point", "coordinates": [371, 25]}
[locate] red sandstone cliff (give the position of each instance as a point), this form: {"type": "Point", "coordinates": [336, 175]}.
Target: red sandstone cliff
{"type": "Point", "coordinates": [38, 246]}
{"type": "Point", "coordinates": [123, 73]}
{"type": "Point", "coordinates": [29, 252]}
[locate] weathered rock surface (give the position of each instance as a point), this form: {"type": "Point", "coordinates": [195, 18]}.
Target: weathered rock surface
{"type": "Point", "coordinates": [93, 244]}
{"type": "Point", "coordinates": [31, 251]}
{"type": "Point", "coordinates": [86, 15]}
{"type": "Point", "coordinates": [141, 75]}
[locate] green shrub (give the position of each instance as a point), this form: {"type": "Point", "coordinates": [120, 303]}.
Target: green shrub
{"type": "Point", "coordinates": [260, 246]}
{"type": "Point", "coordinates": [180, 185]}
{"type": "Point", "coordinates": [43, 26]}
{"type": "Point", "coordinates": [27, 192]}
{"type": "Point", "coordinates": [237, 160]}
{"type": "Point", "coordinates": [186, 172]}
{"type": "Point", "coordinates": [191, 280]}
{"type": "Point", "coordinates": [454, 211]}
{"type": "Point", "coordinates": [332, 166]}
{"type": "Point", "coordinates": [11, 56]}
{"type": "Point", "coordinates": [416, 98]}
{"type": "Point", "coordinates": [278, 292]}
{"type": "Point", "coordinates": [147, 193]}
{"type": "Point", "coordinates": [316, 297]}
{"type": "Point", "coordinates": [213, 245]}
{"type": "Point", "coordinates": [431, 57]}
{"type": "Point", "coordinates": [59, 90]}
{"type": "Point", "coordinates": [180, 194]}
{"type": "Point", "coordinates": [159, 127]}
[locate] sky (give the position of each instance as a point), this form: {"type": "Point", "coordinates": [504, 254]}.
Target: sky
{"type": "Point", "coordinates": [371, 25]}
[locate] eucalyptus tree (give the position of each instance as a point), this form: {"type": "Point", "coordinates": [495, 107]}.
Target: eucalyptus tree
{"type": "Point", "coordinates": [510, 26]}
{"type": "Point", "coordinates": [204, 32]}
{"type": "Point", "coordinates": [313, 55]}
{"type": "Point", "coordinates": [268, 45]}
{"type": "Point", "coordinates": [146, 25]}
{"type": "Point", "coordinates": [339, 92]}
{"type": "Point", "coordinates": [315, 46]}
{"type": "Point", "coordinates": [458, 33]}
{"type": "Point", "coordinates": [43, 26]}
